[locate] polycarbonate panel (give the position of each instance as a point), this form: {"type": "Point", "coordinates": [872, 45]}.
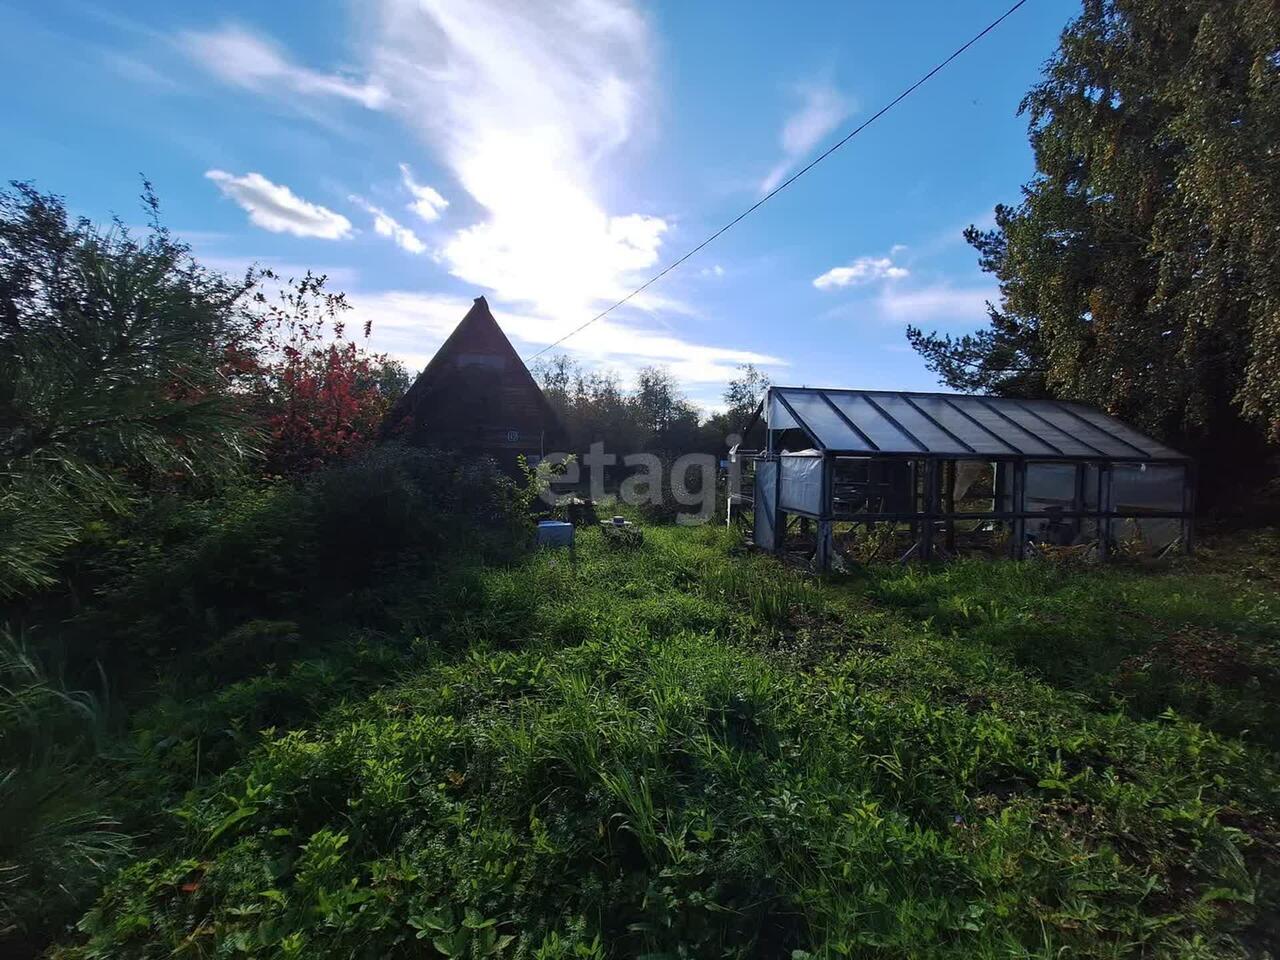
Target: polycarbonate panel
{"type": "Point", "coordinates": [778, 417]}
{"type": "Point", "coordinates": [801, 484]}
{"type": "Point", "coordinates": [964, 428]}
{"type": "Point", "coordinates": [1019, 439]}
{"type": "Point", "coordinates": [922, 428]}
{"type": "Point", "coordinates": [1122, 430]}
{"type": "Point", "coordinates": [1106, 443]}
{"type": "Point", "coordinates": [1139, 487]}
{"type": "Point", "coordinates": [1092, 488]}
{"type": "Point", "coordinates": [1066, 444]}
{"type": "Point", "coordinates": [824, 423]}
{"type": "Point", "coordinates": [1148, 536]}
{"type": "Point", "coordinates": [1050, 485]}
{"type": "Point", "coordinates": [887, 437]}
{"type": "Point", "coordinates": [955, 425]}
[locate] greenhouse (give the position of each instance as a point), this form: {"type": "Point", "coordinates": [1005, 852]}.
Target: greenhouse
{"type": "Point", "coordinates": [895, 475]}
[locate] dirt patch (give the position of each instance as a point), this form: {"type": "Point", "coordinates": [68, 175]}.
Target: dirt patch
{"type": "Point", "coordinates": [810, 638]}
{"type": "Point", "coordinates": [1202, 654]}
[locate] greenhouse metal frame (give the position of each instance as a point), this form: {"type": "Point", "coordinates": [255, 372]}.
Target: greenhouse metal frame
{"type": "Point", "coordinates": [1061, 473]}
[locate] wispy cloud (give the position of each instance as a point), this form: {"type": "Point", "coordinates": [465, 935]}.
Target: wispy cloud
{"type": "Point", "coordinates": [860, 271]}
{"type": "Point", "coordinates": [243, 58]}
{"type": "Point", "coordinates": [939, 304]}
{"type": "Point", "coordinates": [821, 110]}
{"type": "Point", "coordinates": [138, 70]}
{"type": "Point", "coordinates": [388, 226]}
{"type": "Point", "coordinates": [526, 107]}
{"type": "Point", "coordinates": [427, 201]}
{"type": "Point", "coordinates": [524, 134]}
{"type": "Point", "coordinates": [275, 207]}
{"type": "Point", "coordinates": [410, 325]}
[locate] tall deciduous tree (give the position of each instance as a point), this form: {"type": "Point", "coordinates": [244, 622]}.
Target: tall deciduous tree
{"type": "Point", "coordinates": [742, 395]}
{"type": "Point", "coordinates": [1141, 271]}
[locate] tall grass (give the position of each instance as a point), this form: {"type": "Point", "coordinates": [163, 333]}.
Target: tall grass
{"type": "Point", "coordinates": [57, 840]}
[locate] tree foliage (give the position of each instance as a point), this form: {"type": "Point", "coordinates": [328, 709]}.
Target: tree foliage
{"type": "Point", "coordinates": [127, 368]}
{"type": "Point", "coordinates": [1139, 272]}
{"type": "Point", "coordinates": [742, 395]}
{"type": "Point", "coordinates": [653, 417]}
{"type": "Point", "coordinates": [116, 361]}
{"type": "Point", "coordinates": [324, 393]}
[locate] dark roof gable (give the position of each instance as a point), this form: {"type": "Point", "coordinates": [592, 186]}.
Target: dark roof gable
{"type": "Point", "coordinates": [476, 391]}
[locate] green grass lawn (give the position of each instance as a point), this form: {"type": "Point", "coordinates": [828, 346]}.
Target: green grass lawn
{"type": "Point", "coordinates": [681, 749]}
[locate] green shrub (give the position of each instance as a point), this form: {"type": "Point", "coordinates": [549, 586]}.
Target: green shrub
{"type": "Point", "coordinates": [189, 573]}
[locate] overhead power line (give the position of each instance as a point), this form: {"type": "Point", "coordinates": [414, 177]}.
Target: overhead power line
{"type": "Point", "coordinates": [790, 180]}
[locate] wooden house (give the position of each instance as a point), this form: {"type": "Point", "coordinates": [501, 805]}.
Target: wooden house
{"type": "Point", "coordinates": [477, 397]}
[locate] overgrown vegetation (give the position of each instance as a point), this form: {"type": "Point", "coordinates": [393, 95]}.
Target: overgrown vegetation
{"type": "Point", "coordinates": [674, 748]}
{"type": "Point", "coordinates": [129, 372]}
{"type": "Point", "coordinates": [200, 622]}
{"type": "Point", "coordinates": [267, 690]}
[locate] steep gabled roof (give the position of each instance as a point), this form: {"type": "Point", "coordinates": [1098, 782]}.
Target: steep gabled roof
{"type": "Point", "coordinates": [477, 338]}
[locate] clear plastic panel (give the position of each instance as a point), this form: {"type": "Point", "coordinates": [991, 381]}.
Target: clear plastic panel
{"type": "Point", "coordinates": [824, 423]}
{"type": "Point", "coordinates": [887, 437]}
{"type": "Point", "coordinates": [764, 529]}
{"type": "Point", "coordinates": [1050, 486]}
{"type": "Point", "coordinates": [1108, 444]}
{"type": "Point", "coordinates": [1066, 444]}
{"type": "Point", "coordinates": [1143, 487]}
{"type": "Point", "coordinates": [801, 484]}
{"type": "Point", "coordinates": [1146, 535]}
{"type": "Point", "coordinates": [922, 428]}
{"type": "Point", "coordinates": [778, 417]}
{"type": "Point", "coordinates": [942, 410]}
{"type": "Point", "coordinates": [974, 481]}
{"type": "Point", "coordinates": [1092, 492]}
{"type": "Point", "coordinates": [1020, 440]}
{"type": "Point", "coordinates": [1122, 430]}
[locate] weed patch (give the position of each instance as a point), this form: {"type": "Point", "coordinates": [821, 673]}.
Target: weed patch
{"type": "Point", "coordinates": [674, 749]}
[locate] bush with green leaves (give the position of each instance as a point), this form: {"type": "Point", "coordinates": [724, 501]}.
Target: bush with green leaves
{"type": "Point", "coordinates": [189, 573]}
{"type": "Point", "coordinates": [114, 376]}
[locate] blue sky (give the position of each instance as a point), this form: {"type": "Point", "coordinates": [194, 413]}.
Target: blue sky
{"type": "Point", "coordinates": [553, 156]}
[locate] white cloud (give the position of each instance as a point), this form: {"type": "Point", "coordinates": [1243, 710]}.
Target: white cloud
{"type": "Point", "coordinates": [411, 325]}
{"type": "Point", "coordinates": [427, 202]}
{"type": "Point", "coordinates": [387, 226]}
{"type": "Point", "coordinates": [860, 271]}
{"type": "Point", "coordinates": [526, 106]}
{"type": "Point", "coordinates": [245, 59]}
{"type": "Point", "coordinates": [523, 102]}
{"type": "Point", "coordinates": [822, 110]}
{"type": "Point", "coordinates": [138, 70]}
{"type": "Point", "coordinates": [941, 303]}
{"type": "Point", "coordinates": [715, 270]}
{"type": "Point", "coordinates": [275, 207]}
